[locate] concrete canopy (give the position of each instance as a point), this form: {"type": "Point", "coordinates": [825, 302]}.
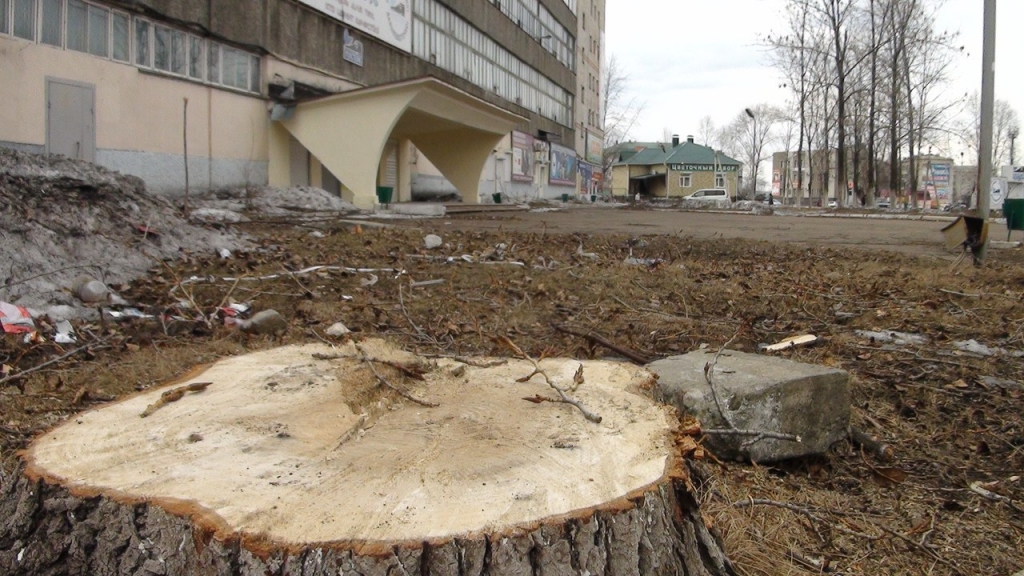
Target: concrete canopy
{"type": "Point", "coordinates": [348, 132]}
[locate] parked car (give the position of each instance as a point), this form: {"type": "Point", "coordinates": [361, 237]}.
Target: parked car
{"type": "Point", "coordinates": [883, 203]}
{"type": "Point", "coordinates": [709, 194]}
{"type": "Point", "coordinates": [833, 204]}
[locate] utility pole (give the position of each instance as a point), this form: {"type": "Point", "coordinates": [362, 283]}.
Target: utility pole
{"type": "Point", "coordinates": [753, 156]}
{"type": "Point", "coordinates": [988, 80]}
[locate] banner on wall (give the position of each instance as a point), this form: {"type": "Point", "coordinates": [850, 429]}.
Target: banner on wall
{"type": "Point", "coordinates": [595, 149]}
{"type": "Point", "coordinates": [586, 177]}
{"type": "Point", "coordinates": [387, 20]}
{"type": "Point", "coordinates": [563, 165]}
{"type": "Point", "coordinates": [522, 157]}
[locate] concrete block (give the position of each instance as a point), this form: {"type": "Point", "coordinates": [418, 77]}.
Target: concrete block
{"type": "Point", "coordinates": [763, 393]}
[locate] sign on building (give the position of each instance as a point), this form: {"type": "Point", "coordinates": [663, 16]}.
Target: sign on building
{"type": "Point", "coordinates": [595, 149]}
{"type": "Point", "coordinates": [387, 20]}
{"type": "Point", "coordinates": [702, 168]}
{"type": "Point", "coordinates": [941, 177]}
{"type": "Point", "coordinates": [563, 165]}
{"type": "Point", "coordinates": [352, 50]}
{"type": "Point", "coordinates": [522, 157]}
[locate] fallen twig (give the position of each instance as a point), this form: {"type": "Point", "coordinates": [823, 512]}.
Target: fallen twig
{"type": "Point", "coordinates": [412, 371]}
{"type": "Point", "coordinates": [310, 270]}
{"type": "Point", "coordinates": [403, 393]}
{"type": "Point", "coordinates": [173, 395]}
{"type": "Point", "coordinates": [563, 397]}
{"type": "Point", "coordinates": [872, 444]}
{"type": "Point", "coordinates": [757, 434]}
{"type": "Point", "coordinates": [989, 495]}
{"type": "Point", "coordinates": [94, 346]}
{"type": "Point", "coordinates": [597, 339]}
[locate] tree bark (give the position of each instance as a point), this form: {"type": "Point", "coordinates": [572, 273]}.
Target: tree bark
{"type": "Point", "coordinates": [294, 461]}
{"type": "Point", "coordinates": [49, 530]}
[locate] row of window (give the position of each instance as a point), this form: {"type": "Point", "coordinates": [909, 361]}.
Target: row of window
{"type": "Point", "coordinates": [686, 180]}
{"type": "Point", "coordinates": [538, 22]}
{"type": "Point", "coordinates": [100, 31]}
{"type": "Point", "coordinates": [443, 38]}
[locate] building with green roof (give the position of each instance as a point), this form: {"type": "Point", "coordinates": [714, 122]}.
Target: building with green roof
{"type": "Point", "coordinates": [675, 170]}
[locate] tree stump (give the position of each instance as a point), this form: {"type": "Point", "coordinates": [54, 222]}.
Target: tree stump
{"type": "Point", "coordinates": [362, 459]}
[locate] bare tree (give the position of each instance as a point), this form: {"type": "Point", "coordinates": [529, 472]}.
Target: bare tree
{"type": "Point", "coordinates": [707, 132]}
{"type": "Point", "coordinates": [748, 135]}
{"type": "Point", "coordinates": [622, 110]}
{"type": "Point", "coordinates": [1004, 123]}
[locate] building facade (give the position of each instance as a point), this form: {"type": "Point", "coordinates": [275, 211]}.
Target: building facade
{"type": "Point", "coordinates": [673, 170]}
{"type": "Point", "coordinates": [344, 94]}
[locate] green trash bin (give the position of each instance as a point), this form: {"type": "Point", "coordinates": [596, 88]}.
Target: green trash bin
{"type": "Point", "coordinates": [1013, 210]}
{"type": "Point", "coordinates": [496, 197]}
{"type": "Point", "coordinates": [565, 197]}
{"type": "Point", "coordinates": [384, 194]}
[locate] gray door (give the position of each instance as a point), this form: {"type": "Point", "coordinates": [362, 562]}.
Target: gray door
{"type": "Point", "coordinates": [71, 119]}
{"type": "Point", "coordinates": [298, 169]}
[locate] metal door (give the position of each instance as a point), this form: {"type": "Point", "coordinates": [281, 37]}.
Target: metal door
{"type": "Point", "coordinates": [71, 119]}
{"type": "Point", "coordinates": [298, 168]}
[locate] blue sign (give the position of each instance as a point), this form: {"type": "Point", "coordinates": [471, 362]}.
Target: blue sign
{"type": "Point", "coordinates": [352, 50]}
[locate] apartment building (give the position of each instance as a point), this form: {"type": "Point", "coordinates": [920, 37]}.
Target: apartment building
{"type": "Point", "coordinates": [343, 94]}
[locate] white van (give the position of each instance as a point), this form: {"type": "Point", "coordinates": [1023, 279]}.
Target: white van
{"type": "Point", "coordinates": [717, 196]}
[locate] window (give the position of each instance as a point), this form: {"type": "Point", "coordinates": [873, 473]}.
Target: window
{"type": "Point", "coordinates": [142, 43]}
{"type": "Point", "coordinates": [686, 180]}
{"type": "Point", "coordinates": [99, 28]}
{"type": "Point", "coordinates": [52, 31]}
{"type": "Point", "coordinates": [254, 73]}
{"type": "Point", "coordinates": [178, 62]}
{"type": "Point", "coordinates": [76, 33]}
{"type": "Point", "coordinates": [213, 63]}
{"type": "Point", "coordinates": [162, 48]}
{"type": "Point", "coordinates": [25, 19]}
{"type": "Point", "coordinates": [121, 40]}
{"type": "Point", "coordinates": [719, 180]}
{"type": "Point", "coordinates": [195, 57]}
{"type": "Point", "coordinates": [4, 23]}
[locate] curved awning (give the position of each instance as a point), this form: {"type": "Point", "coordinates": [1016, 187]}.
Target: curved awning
{"type": "Point", "coordinates": [347, 132]}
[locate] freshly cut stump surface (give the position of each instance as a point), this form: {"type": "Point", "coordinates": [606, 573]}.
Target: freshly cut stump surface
{"type": "Point", "coordinates": [298, 460]}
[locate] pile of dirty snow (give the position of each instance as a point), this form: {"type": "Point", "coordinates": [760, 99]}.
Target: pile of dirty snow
{"type": "Point", "coordinates": [296, 202]}
{"type": "Point", "coordinates": [62, 218]}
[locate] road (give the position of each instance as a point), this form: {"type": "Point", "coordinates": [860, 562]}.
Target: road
{"type": "Point", "coordinates": [912, 236]}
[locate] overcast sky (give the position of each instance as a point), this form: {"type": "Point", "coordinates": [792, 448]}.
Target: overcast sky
{"type": "Point", "coordinates": [694, 58]}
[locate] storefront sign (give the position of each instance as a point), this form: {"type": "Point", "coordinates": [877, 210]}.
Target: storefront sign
{"type": "Point", "coordinates": [595, 149]}
{"type": "Point", "coordinates": [563, 165]}
{"type": "Point", "coordinates": [940, 176]}
{"type": "Point", "coordinates": [522, 157]}
{"type": "Point", "coordinates": [702, 168]}
{"type": "Point", "coordinates": [352, 50]}
{"type": "Point", "coordinates": [386, 20]}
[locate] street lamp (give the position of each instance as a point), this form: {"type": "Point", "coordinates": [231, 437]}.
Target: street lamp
{"type": "Point", "coordinates": [753, 151]}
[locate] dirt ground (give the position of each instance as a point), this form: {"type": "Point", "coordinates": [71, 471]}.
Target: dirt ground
{"type": "Point", "coordinates": [907, 233]}
{"type": "Point", "coordinates": [951, 502]}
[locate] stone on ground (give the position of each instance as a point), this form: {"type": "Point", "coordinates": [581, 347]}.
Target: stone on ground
{"type": "Point", "coordinates": [762, 393]}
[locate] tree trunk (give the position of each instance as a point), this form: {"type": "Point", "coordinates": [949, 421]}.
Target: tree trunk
{"type": "Point", "coordinates": [871, 190]}
{"type": "Point", "coordinates": [301, 460]}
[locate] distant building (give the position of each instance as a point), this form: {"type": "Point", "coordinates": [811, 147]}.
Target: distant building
{"type": "Point", "coordinates": [349, 96]}
{"type": "Point", "coordinates": [672, 170]}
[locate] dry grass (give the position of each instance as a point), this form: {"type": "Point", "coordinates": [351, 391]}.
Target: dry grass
{"type": "Point", "coordinates": [950, 426]}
